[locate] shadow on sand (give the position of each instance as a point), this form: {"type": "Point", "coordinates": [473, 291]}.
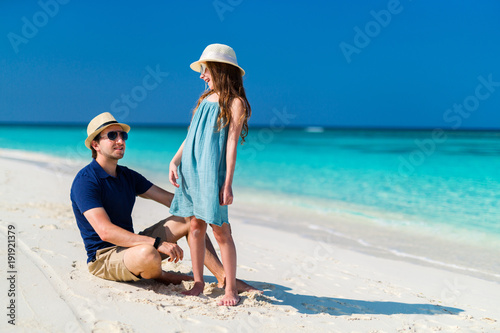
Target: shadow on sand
{"type": "Point", "coordinates": [308, 304]}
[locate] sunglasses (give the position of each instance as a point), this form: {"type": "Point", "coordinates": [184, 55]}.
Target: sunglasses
{"type": "Point", "coordinates": [113, 135]}
{"type": "Point", "coordinates": [203, 68]}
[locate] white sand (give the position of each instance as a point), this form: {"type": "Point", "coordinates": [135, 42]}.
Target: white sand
{"type": "Point", "coordinates": [309, 285]}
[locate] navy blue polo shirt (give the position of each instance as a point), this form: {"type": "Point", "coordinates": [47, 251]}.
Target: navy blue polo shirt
{"type": "Point", "coordinates": [93, 187]}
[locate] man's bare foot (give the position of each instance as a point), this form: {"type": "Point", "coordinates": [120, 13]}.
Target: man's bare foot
{"type": "Point", "coordinates": [243, 286]}
{"type": "Point", "coordinates": [174, 278]}
{"type": "Point", "coordinates": [196, 290]}
{"type": "Point", "coordinates": [229, 299]}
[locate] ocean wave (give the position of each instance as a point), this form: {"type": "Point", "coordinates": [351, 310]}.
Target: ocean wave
{"type": "Point", "coordinates": [314, 129]}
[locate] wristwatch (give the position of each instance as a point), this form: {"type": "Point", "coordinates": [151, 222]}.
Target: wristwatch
{"type": "Point", "coordinates": [157, 242]}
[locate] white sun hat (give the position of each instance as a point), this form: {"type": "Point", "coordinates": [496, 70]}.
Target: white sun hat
{"type": "Point", "coordinates": [217, 53]}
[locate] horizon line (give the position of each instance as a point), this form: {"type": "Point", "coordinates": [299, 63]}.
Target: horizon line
{"type": "Point", "coordinates": [313, 127]}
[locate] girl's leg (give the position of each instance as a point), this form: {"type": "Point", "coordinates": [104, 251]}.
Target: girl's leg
{"type": "Point", "coordinates": [196, 240]}
{"type": "Point", "coordinates": [228, 254]}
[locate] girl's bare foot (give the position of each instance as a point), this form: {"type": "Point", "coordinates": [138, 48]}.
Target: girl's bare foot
{"type": "Point", "coordinates": [196, 290]}
{"type": "Point", "coordinates": [229, 299]}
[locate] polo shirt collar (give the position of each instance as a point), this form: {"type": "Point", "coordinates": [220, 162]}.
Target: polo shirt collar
{"type": "Point", "coordinates": [100, 172]}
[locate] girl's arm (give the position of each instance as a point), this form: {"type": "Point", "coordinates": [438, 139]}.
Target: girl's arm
{"type": "Point", "coordinates": [172, 169]}
{"type": "Point", "coordinates": [235, 126]}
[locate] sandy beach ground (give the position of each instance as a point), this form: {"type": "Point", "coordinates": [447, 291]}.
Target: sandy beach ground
{"type": "Point", "coordinates": [309, 285]}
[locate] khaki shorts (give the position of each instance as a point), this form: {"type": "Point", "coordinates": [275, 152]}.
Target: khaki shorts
{"type": "Point", "coordinates": [109, 265]}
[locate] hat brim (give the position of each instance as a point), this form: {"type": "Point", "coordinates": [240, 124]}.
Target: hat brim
{"type": "Point", "coordinates": [196, 66]}
{"type": "Point", "coordinates": [92, 135]}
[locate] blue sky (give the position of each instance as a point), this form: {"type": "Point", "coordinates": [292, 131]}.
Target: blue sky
{"type": "Point", "coordinates": [430, 64]}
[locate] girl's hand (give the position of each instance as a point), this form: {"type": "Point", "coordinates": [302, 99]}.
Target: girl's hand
{"type": "Point", "coordinates": [226, 195]}
{"type": "Point", "coordinates": [172, 174]}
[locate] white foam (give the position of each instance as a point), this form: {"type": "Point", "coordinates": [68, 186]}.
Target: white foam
{"type": "Point", "coordinates": [314, 129]}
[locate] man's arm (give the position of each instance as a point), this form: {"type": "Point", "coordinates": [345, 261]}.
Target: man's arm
{"type": "Point", "coordinates": [108, 232]}
{"type": "Point", "coordinates": [159, 195]}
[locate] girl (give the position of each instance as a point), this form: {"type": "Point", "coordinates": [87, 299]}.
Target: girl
{"type": "Point", "coordinates": [206, 160]}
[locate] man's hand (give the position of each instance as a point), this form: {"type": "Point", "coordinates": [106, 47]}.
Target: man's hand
{"type": "Point", "coordinates": [173, 250]}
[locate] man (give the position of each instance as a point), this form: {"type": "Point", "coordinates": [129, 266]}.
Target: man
{"type": "Point", "coordinates": [103, 196]}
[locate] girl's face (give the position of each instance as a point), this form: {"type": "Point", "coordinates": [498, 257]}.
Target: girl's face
{"type": "Point", "coordinates": [205, 76]}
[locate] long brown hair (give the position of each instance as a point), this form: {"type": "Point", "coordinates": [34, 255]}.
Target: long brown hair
{"type": "Point", "coordinates": [228, 83]}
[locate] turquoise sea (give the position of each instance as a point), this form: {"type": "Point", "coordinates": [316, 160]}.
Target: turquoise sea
{"type": "Point", "coordinates": [432, 185]}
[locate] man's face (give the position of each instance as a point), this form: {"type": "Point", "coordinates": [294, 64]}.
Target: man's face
{"type": "Point", "coordinates": [112, 149]}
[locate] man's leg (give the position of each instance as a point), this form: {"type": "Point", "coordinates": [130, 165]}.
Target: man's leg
{"type": "Point", "coordinates": [145, 261]}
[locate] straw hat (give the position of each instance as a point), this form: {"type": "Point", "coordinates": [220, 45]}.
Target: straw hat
{"type": "Point", "coordinates": [217, 53]}
{"type": "Point", "coordinates": [99, 124]}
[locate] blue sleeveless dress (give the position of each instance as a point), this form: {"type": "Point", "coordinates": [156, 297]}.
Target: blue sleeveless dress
{"type": "Point", "coordinates": [203, 168]}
